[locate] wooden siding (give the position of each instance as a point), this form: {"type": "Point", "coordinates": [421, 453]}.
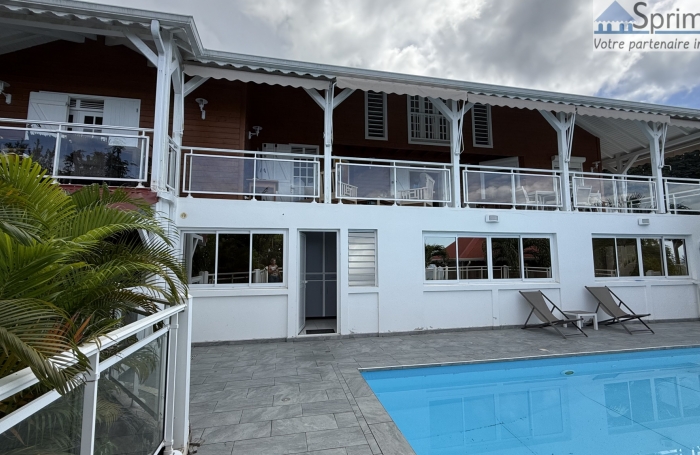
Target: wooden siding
{"type": "Point", "coordinates": [89, 68]}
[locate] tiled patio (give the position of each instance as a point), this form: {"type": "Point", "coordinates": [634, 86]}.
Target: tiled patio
{"type": "Point", "coordinates": [309, 397]}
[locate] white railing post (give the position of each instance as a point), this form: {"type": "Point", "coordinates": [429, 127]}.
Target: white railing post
{"type": "Point", "coordinates": [170, 383]}
{"type": "Point", "coordinates": [87, 434]}
{"type": "Point", "coordinates": [393, 169]}
{"type": "Point", "coordinates": [57, 153]}
{"type": "Point", "coordinates": [181, 394]}
{"type": "Point", "coordinates": [512, 189]}
{"type": "Point", "coordinates": [255, 171]}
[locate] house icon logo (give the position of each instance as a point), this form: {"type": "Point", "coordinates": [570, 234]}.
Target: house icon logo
{"type": "Point", "coordinates": [615, 20]}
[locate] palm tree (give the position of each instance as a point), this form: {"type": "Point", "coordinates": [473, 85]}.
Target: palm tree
{"type": "Point", "coordinates": [72, 267]}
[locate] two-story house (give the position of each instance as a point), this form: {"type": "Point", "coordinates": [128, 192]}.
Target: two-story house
{"type": "Point", "coordinates": [309, 198]}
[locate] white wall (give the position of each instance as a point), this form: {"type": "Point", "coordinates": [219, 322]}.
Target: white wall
{"type": "Point", "coordinates": [403, 301]}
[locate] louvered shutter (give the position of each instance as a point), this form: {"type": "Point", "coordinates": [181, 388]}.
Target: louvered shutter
{"type": "Point", "coordinates": [375, 116]}
{"type": "Point", "coordinates": [481, 125]}
{"type": "Point", "coordinates": [363, 258]}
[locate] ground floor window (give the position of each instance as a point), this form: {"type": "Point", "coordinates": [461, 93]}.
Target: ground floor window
{"type": "Point", "coordinates": [639, 256]}
{"type": "Point", "coordinates": [234, 257]}
{"type": "Point", "coordinates": [456, 257]}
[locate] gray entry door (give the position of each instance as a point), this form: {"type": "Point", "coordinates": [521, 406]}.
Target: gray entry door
{"type": "Point", "coordinates": [321, 274]}
{"type": "Point", "coordinates": [302, 281]}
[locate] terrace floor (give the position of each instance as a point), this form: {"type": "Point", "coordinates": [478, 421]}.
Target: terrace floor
{"type": "Point", "coordinates": [309, 397]}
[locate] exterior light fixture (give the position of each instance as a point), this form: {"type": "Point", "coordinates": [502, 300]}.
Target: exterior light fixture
{"type": "Point", "coordinates": [255, 132]}
{"type": "Point", "coordinates": [202, 102]}
{"type": "Point", "coordinates": [3, 86]}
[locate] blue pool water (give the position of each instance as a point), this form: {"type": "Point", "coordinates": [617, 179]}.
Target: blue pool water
{"type": "Point", "coordinates": [628, 403]}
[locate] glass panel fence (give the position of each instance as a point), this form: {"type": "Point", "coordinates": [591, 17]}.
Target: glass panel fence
{"type": "Point", "coordinates": [37, 144]}
{"type": "Point", "coordinates": [487, 186]}
{"type": "Point", "coordinates": [683, 196]}
{"type": "Point", "coordinates": [55, 429]}
{"type": "Point", "coordinates": [131, 402]}
{"type": "Point", "coordinates": [267, 177]}
{"type": "Point", "coordinates": [608, 192]}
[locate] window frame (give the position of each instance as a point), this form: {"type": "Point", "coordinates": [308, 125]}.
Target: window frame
{"type": "Point", "coordinates": [250, 233]}
{"type": "Point", "coordinates": [640, 260]}
{"type": "Point", "coordinates": [421, 111]}
{"type": "Point", "coordinates": [489, 258]}
{"type": "Point", "coordinates": [489, 125]}
{"type": "Point", "coordinates": [385, 122]}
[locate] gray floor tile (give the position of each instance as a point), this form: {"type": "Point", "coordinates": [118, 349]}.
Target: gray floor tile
{"type": "Point", "coordinates": [249, 383]}
{"type": "Point", "coordinates": [216, 419]}
{"type": "Point", "coordinates": [271, 413]}
{"type": "Point", "coordinates": [390, 439]}
{"type": "Point", "coordinates": [336, 394]}
{"type": "Point", "coordinates": [275, 445]}
{"type": "Point", "coordinates": [281, 399]}
{"type": "Point", "coordinates": [323, 385]}
{"type": "Point", "coordinates": [326, 407]}
{"type": "Point", "coordinates": [341, 451]}
{"type": "Point", "coordinates": [238, 432]}
{"type": "Point", "coordinates": [358, 387]}
{"type": "Point", "coordinates": [202, 408]}
{"type": "Point", "coordinates": [346, 419]}
{"type": "Point", "coordinates": [372, 410]}
{"type": "Point", "coordinates": [303, 424]}
{"type": "Point", "coordinates": [243, 403]}
{"type": "Point", "coordinates": [215, 449]}
{"type": "Point", "coordinates": [298, 379]}
{"type": "Point", "coordinates": [358, 450]}
{"type": "Point", "coordinates": [331, 439]}
{"type": "Point", "coordinates": [272, 390]}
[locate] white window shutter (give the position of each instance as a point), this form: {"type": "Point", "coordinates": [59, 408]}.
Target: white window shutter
{"type": "Point", "coordinates": [46, 106]}
{"type": "Point", "coordinates": [375, 116]}
{"type": "Point", "coordinates": [362, 257]}
{"type": "Point", "coordinates": [122, 112]}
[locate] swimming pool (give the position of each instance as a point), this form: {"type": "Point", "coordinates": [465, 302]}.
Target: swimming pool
{"type": "Point", "coordinates": [624, 403]}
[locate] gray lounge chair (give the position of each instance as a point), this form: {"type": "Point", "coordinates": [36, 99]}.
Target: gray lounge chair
{"type": "Point", "coordinates": [606, 300]}
{"type": "Point", "coordinates": [536, 299]}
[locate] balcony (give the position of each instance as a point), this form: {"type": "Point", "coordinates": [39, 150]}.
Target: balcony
{"type": "Point", "coordinates": [521, 188]}
{"type": "Point", "coordinates": [381, 182]}
{"type": "Point", "coordinates": [267, 176]}
{"type": "Point", "coordinates": [75, 153]}
{"type": "Point", "coordinates": [682, 195]}
{"type": "Point", "coordinates": [613, 193]}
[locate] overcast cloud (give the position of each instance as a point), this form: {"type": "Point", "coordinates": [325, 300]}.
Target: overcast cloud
{"type": "Point", "coordinates": [542, 44]}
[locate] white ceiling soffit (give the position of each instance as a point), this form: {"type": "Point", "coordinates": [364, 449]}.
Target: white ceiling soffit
{"type": "Point", "coordinates": [622, 115]}
{"type": "Point", "coordinates": [520, 103]}
{"type": "Point", "coordinates": [258, 78]}
{"type": "Point", "coordinates": [70, 15]}
{"type": "Point", "coordinates": [400, 89]}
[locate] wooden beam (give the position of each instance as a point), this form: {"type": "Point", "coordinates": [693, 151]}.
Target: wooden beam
{"type": "Point", "coordinates": [142, 47]}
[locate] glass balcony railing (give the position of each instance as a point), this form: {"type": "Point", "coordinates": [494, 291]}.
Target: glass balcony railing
{"type": "Point", "coordinates": [682, 195]}
{"type": "Point", "coordinates": [490, 186]}
{"type": "Point", "coordinates": [80, 152]}
{"type": "Point", "coordinates": [613, 192]}
{"type": "Point", "coordinates": [394, 182]}
{"type": "Point", "coordinates": [269, 176]}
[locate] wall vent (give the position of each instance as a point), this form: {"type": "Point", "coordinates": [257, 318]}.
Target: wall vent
{"type": "Point", "coordinates": [644, 221]}
{"type": "Point", "coordinates": [492, 218]}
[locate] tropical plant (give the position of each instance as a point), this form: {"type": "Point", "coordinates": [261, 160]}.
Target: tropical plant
{"type": "Point", "coordinates": [72, 267]}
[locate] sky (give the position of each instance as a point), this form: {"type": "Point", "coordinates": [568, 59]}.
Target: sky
{"type": "Point", "coordinates": [539, 44]}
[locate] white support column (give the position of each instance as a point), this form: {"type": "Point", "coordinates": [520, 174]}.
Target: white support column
{"type": "Point", "coordinates": [563, 124]}
{"type": "Point", "coordinates": [164, 45]}
{"type": "Point", "coordinates": [656, 134]}
{"type": "Point", "coordinates": [328, 104]}
{"type": "Point", "coordinates": [328, 143]}
{"type": "Point", "coordinates": [178, 120]}
{"type": "Point", "coordinates": [181, 393]}
{"type": "Point", "coordinates": [455, 116]}
{"type": "Point", "coordinates": [87, 435]}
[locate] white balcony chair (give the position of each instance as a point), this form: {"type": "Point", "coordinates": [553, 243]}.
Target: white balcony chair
{"type": "Point", "coordinates": [424, 193]}
{"type": "Point", "coordinates": [523, 199]}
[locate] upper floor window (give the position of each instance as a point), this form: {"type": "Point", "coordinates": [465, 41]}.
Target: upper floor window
{"type": "Point", "coordinates": [635, 257]}
{"type": "Point", "coordinates": [425, 123]}
{"type": "Point", "coordinates": [481, 125]}
{"type": "Point", "coordinates": [375, 116]}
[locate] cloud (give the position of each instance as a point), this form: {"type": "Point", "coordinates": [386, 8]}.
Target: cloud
{"type": "Point", "coordinates": [541, 44]}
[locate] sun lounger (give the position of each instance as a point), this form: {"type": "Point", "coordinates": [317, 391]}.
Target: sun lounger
{"type": "Point", "coordinates": [607, 301]}
{"type": "Point", "coordinates": [537, 301]}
